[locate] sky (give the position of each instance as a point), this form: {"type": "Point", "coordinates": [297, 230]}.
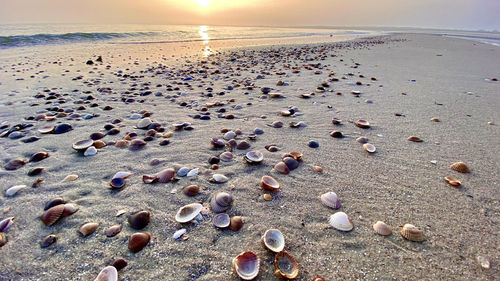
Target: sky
{"type": "Point", "coordinates": [456, 14]}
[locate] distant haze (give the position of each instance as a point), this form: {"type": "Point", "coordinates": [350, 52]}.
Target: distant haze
{"type": "Point", "coordinates": [460, 14]}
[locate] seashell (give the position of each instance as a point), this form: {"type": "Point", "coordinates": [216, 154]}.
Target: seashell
{"type": "Point", "coordinates": [271, 148]}
{"type": "Point", "coordinates": [193, 172]}
{"type": "Point", "coordinates": [147, 179]}
{"type": "Point", "coordinates": [219, 178]}
{"type": "Point", "coordinates": [273, 240]}
{"type": "Point", "coordinates": [336, 134]}
{"type": "Point", "coordinates": [109, 273]}
{"type": "Point", "coordinates": [54, 202]}
{"type": "Point", "coordinates": [267, 197]}
{"type": "Point", "coordinates": [117, 183]}
{"type": "Point", "coordinates": [300, 124]}
{"type": "Point", "coordinates": [166, 175]}
{"type": "Point", "coordinates": [3, 239]}
{"type": "Point", "coordinates": [285, 266]}
{"type": "Point", "coordinates": [460, 167]}
{"type": "Point", "coordinates": [362, 140]}
{"type": "Point", "coordinates": [295, 155]}
{"type": "Point", "coordinates": [282, 168]}
{"type": "Point", "coordinates": [217, 143]}
{"type": "Point", "coordinates": [82, 145]}
{"type": "Point", "coordinates": [62, 128]}
{"type": "Point", "coordinates": [5, 224]}
{"type": "Point", "coordinates": [286, 113]}
{"type": "Point", "coordinates": [137, 144]}
{"type": "Point", "coordinates": [220, 202]}
{"type": "Point", "coordinates": [14, 164]}
{"type": "Point", "coordinates": [48, 240]}
{"type": "Point", "coordinates": [182, 171]}
{"type": "Point", "coordinates": [229, 135]}
{"type": "Point", "coordinates": [122, 175]}
{"type": "Point", "coordinates": [412, 233]}
{"type": "Point", "coordinates": [119, 264]}
{"type": "Point", "coordinates": [341, 221]}
{"type": "Point", "coordinates": [381, 228]}
{"type": "Point", "coordinates": [277, 124]}
{"type": "Point", "coordinates": [435, 119]}
{"type": "Point", "coordinates": [144, 123]}
{"type": "Point", "coordinates": [179, 233]}
{"type": "Point", "coordinates": [70, 178]}
{"type": "Point", "coordinates": [39, 156]}
{"type": "Point", "coordinates": [121, 143]}
{"type": "Point", "coordinates": [35, 171]}
{"type": "Point", "coordinates": [452, 181]}
{"type": "Point", "coordinates": [254, 157]}
{"type": "Point", "coordinates": [225, 156]}
{"type": "Point", "coordinates": [188, 212]}
{"type": "Point", "coordinates": [88, 228]}
{"type": "Point", "coordinates": [99, 144]}
{"type": "Point", "coordinates": [52, 215]}
{"type": "Point", "coordinates": [317, 278]}
{"type": "Point", "coordinates": [369, 147]}
{"type": "Point", "coordinates": [330, 199]}
{"type": "Point", "coordinates": [415, 139]}
{"type": "Point", "coordinates": [191, 190]}
{"type": "Point", "coordinates": [269, 183]}
{"type": "Point", "coordinates": [69, 209]}
{"type": "Point", "coordinates": [138, 241]}
{"type": "Point", "coordinates": [336, 121]}
{"type": "Point", "coordinates": [362, 124]}
{"type": "Point", "coordinates": [46, 130]}
{"type": "Point", "coordinates": [97, 136]}
{"type": "Point", "coordinates": [243, 145]}
{"type": "Point", "coordinates": [246, 265]}
{"type": "Point", "coordinates": [221, 220]}
{"type": "Point", "coordinates": [484, 262]}
{"type": "Point", "coordinates": [291, 163]}
{"type": "Point", "coordinates": [139, 220]}
{"type": "Point", "coordinates": [14, 189]}
{"type": "Point", "coordinates": [236, 223]}
{"type": "Point", "coordinates": [318, 169]}
{"type": "Point", "coordinates": [91, 151]}
{"type": "Point", "coordinates": [113, 230]}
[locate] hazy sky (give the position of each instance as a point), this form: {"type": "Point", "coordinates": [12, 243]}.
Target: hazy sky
{"type": "Point", "coordinates": [467, 14]}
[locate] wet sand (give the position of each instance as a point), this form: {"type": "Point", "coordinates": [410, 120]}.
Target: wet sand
{"type": "Point", "coordinates": [418, 77]}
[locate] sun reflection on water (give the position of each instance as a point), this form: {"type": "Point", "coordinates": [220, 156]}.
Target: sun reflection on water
{"type": "Point", "coordinates": [203, 32]}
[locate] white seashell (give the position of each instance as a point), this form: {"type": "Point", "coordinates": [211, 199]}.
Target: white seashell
{"type": "Point", "coordinates": [330, 199]}
{"type": "Point", "coordinates": [188, 212]}
{"type": "Point", "coordinates": [13, 190]}
{"type": "Point", "coordinates": [122, 175]}
{"type": "Point", "coordinates": [135, 116]}
{"type": "Point", "coordinates": [144, 123]}
{"type": "Point", "coordinates": [273, 240]}
{"type": "Point", "coordinates": [193, 172]}
{"type": "Point", "coordinates": [91, 151]}
{"type": "Point", "coordinates": [229, 135]}
{"type": "Point", "coordinates": [179, 233]}
{"type": "Point", "coordinates": [109, 273]}
{"type": "Point", "coordinates": [369, 147]}
{"type": "Point", "coordinates": [70, 178]}
{"type": "Point", "coordinates": [182, 171]}
{"type": "Point", "coordinates": [220, 178]}
{"type": "Point", "coordinates": [341, 221]}
{"type": "Point", "coordinates": [434, 162]}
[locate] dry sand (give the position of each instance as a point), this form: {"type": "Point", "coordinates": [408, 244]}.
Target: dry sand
{"type": "Point", "coordinates": [440, 77]}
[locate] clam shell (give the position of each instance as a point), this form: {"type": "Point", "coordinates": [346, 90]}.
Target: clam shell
{"type": "Point", "coordinates": [6, 223]}
{"type": "Point", "coordinates": [113, 230]}
{"type": "Point", "coordinates": [122, 175]}
{"type": "Point", "coordinates": [362, 140]}
{"type": "Point", "coordinates": [144, 123]}
{"type": "Point", "coordinates": [14, 164]}
{"type": "Point", "coordinates": [138, 241]}
{"type": "Point", "coordinates": [269, 183]}
{"type": "Point", "coordinates": [336, 134]}
{"type": "Point", "coordinates": [91, 151]}
{"type": "Point", "coordinates": [46, 129]}
{"type": "Point", "coordinates": [285, 266]}
{"type": "Point", "coordinates": [226, 156]}
{"type": "Point", "coordinates": [336, 121]}
{"type": "Point", "coordinates": [362, 124]}
{"type": "Point", "coordinates": [415, 139]}
{"type": "Point", "coordinates": [236, 223]}
{"type": "Point", "coordinates": [121, 143]}
{"type": "Point", "coordinates": [109, 273]}
{"type": "Point", "coordinates": [246, 265]}
{"type": "Point", "coordinates": [182, 171]}
{"type": "Point", "coordinates": [330, 199]}
{"type": "Point", "coordinates": [295, 155]}
{"type": "Point", "coordinates": [229, 135]}
{"type": "Point", "coordinates": [69, 209]}
{"type": "Point", "coordinates": [282, 168]}
{"type": "Point", "coordinates": [52, 215]}
{"type": "Point", "coordinates": [117, 183]}
{"type": "Point", "coordinates": [221, 220]}
{"type": "Point", "coordinates": [48, 240]}
{"type": "Point", "coordinates": [88, 228]}
{"type": "Point", "coordinates": [54, 202]}
{"type": "Point", "coordinates": [166, 175]}
{"type": "Point", "coordinates": [254, 157]}
{"type": "Point", "coordinates": [179, 233]}
{"type": "Point", "coordinates": [274, 240]}
{"type": "Point", "coordinates": [369, 147]}
{"type": "Point", "coordinates": [82, 145]}
{"type": "Point", "coordinates": [460, 167]}
{"type": "Point", "coordinates": [99, 144]}
{"type": "Point", "coordinates": [452, 181]}
{"type": "Point", "coordinates": [188, 212]}
{"type": "Point", "coordinates": [381, 228]}
{"type": "Point", "coordinates": [243, 145]}
{"type": "Point", "coordinates": [136, 144]}
{"type": "Point", "coordinates": [220, 202]}
{"type": "Point", "coordinates": [147, 179]}
{"type": "Point", "coordinates": [217, 143]}
{"type": "Point", "coordinates": [119, 264]}
{"type": "Point", "coordinates": [14, 189]}
{"type": "Point", "coordinates": [219, 178]}
{"type": "Point", "coordinates": [341, 221]}
{"type": "Point", "coordinates": [3, 239]}
{"type": "Point", "coordinates": [70, 178]}
{"type": "Point", "coordinates": [139, 220]}
{"type": "Point", "coordinates": [191, 190]}
{"type": "Point", "coordinates": [39, 156]}
{"type": "Point", "coordinates": [291, 163]}
{"type": "Point", "coordinates": [193, 172]}
{"type": "Point", "coordinates": [412, 233]}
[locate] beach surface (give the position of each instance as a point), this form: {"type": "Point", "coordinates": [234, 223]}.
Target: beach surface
{"type": "Point", "coordinates": [404, 81]}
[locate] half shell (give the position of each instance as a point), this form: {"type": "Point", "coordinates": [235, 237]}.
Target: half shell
{"type": "Point", "coordinates": [282, 168]}
{"type": "Point", "coordinates": [330, 199]}
{"type": "Point", "coordinates": [219, 178]}
{"type": "Point", "coordinates": [6, 223]}
{"type": "Point", "coordinates": [369, 147]}
{"type": "Point", "coordinates": [88, 228]}
{"type": "Point", "coordinates": [138, 241]}
{"type": "Point", "coordinates": [363, 124]}
{"type": "Point", "coordinates": [139, 220]}
{"type": "Point", "coordinates": [236, 223]}
{"type": "Point", "coordinates": [460, 167]}
{"type": "Point", "coordinates": [341, 221]}
{"type": "Point", "coordinates": [415, 139]}
{"type": "Point", "coordinates": [452, 181]}
{"type": "Point", "coordinates": [412, 233]}
{"type": "Point", "coordinates": [254, 157]}
{"type": "Point", "coordinates": [285, 266]}
{"type": "Point", "coordinates": [109, 273]}
{"type": "Point", "coordinates": [188, 212]}
{"type": "Point", "coordinates": [221, 220]}
{"type": "Point", "coordinates": [246, 265]}
{"type": "Point", "coordinates": [381, 228]}
{"type": "Point", "coordinates": [270, 183]}
{"type": "Point", "coordinates": [82, 145]}
{"type": "Point", "coordinates": [273, 240]}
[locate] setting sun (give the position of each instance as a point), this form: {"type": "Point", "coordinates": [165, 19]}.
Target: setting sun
{"type": "Point", "coordinates": [203, 3]}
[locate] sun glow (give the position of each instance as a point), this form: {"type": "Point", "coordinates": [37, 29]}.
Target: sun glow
{"type": "Point", "coordinates": [203, 3]}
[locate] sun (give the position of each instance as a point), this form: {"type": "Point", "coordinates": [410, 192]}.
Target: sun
{"type": "Point", "coordinates": [203, 3]}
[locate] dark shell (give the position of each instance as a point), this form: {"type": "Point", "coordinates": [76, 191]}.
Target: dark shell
{"type": "Point", "coordinates": [35, 171]}
{"type": "Point", "coordinates": [166, 175]}
{"type": "Point", "coordinates": [99, 144]}
{"type": "Point", "coordinates": [291, 163]}
{"type": "Point", "coordinates": [191, 190]}
{"type": "Point", "coordinates": [217, 143]}
{"type": "Point", "coordinates": [243, 145]}
{"type": "Point", "coordinates": [139, 220]}
{"type": "Point", "coordinates": [137, 144]}
{"type": "Point", "coordinates": [113, 131]}
{"type": "Point", "coordinates": [52, 215]}
{"type": "Point", "coordinates": [117, 183]}
{"type": "Point", "coordinates": [39, 156]}
{"type": "Point", "coordinates": [164, 142]}
{"type": "Point", "coordinates": [97, 136]}
{"type": "Point", "coordinates": [213, 160]}
{"type": "Point", "coordinates": [282, 168]}
{"type": "Point", "coordinates": [30, 139]}
{"type": "Point", "coordinates": [62, 128]}
{"type": "Point", "coordinates": [14, 164]}
{"type": "Point", "coordinates": [48, 240]}
{"type": "Point", "coordinates": [138, 241]}
{"type": "Point", "coordinates": [119, 264]}
{"type": "Point", "coordinates": [236, 223]}
{"type": "Point", "coordinates": [54, 202]}
{"type": "Point", "coordinates": [3, 239]}
{"type": "Point", "coordinates": [336, 134]}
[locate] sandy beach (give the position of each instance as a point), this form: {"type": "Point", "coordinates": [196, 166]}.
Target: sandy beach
{"type": "Point", "coordinates": [399, 81]}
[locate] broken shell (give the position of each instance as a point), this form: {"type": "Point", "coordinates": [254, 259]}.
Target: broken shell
{"type": "Point", "coordinates": [285, 266]}
{"type": "Point", "coordinates": [188, 212]}
{"type": "Point", "coordinates": [273, 240]}
{"type": "Point", "coordinates": [6, 223]}
{"type": "Point", "coordinates": [52, 215]}
{"type": "Point", "coordinates": [381, 228]}
{"type": "Point", "coordinates": [452, 181]}
{"type": "Point", "coordinates": [221, 220]}
{"type": "Point", "coordinates": [179, 233]}
{"type": "Point", "coordinates": [138, 241]}
{"type": "Point", "coordinates": [412, 233]}
{"type": "Point", "coordinates": [362, 140]}
{"type": "Point", "coordinates": [362, 124]}
{"type": "Point", "coordinates": [99, 144]}
{"type": "Point", "coordinates": [219, 178]}
{"type": "Point", "coordinates": [82, 145]}
{"type": "Point", "coordinates": [139, 220]}
{"type": "Point", "coordinates": [14, 189]}
{"type": "Point", "coordinates": [282, 168]}
{"type": "Point", "coordinates": [3, 239]}
{"type": "Point", "coordinates": [484, 262]}
{"type": "Point", "coordinates": [369, 147]}
{"type": "Point", "coordinates": [113, 230]}
{"type": "Point", "coordinates": [330, 199]}
{"type": "Point", "coordinates": [220, 202]}
{"type": "Point", "coordinates": [270, 183]}
{"type": "Point", "coordinates": [341, 221]}
{"type": "Point", "coordinates": [415, 139]}
{"type": "Point", "coordinates": [317, 278]}
{"type": "Point", "coordinates": [39, 156]}
{"type": "Point", "coordinates": [236, 223]}
{"type": "Point", "coordinates": [460, 167]}
{"type": "Point", "coordinates": [166, 175]}
{"type": "Point", "coordinates": [48, 240]}
{"type": "Point", "coordinates": [291, 163]}
{"type": "Point", "coordinates": [14, 164]}
{"type": "Point", "coordinates": [70, 178]}
{"type": "Point", "coordinates": [191, 190]}
{"type": "Point", "coordinates": [226, 156]}
{"type": "Point", "coordinates": [147, 179]}
{"type": "Point", "coordinates": [109, 273]}
{"type": "Point", "coordinates": [117, 183]}
{"type": "Point", "coordinates": [254, 157]}
{"type": "Point", "coordinates": [246, 265]}
{"type": "Point", "coordinates": [88, 228]}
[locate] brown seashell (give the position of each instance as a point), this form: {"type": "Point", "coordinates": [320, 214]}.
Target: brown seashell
{"type": "Point", "coordinates": [243, 145]}
{"type": "Point", "coordinates": [147, 179]}
{"type": "Point", "coordinates": [14, 164]}
{"type": "Point", "coordinates": [138, 241]}
{"type": "Point", "coordinates": [137, 144]}
{"type": "Point", "coordinates": [452, 181]}
{"type": "Point", "coordinates": [282, 168]}
{"type": "Point", "coordinates": [113, 230]}
{"type": "Point", "coordinates": [226, 156]}
{"type": "Point", "coordinates": [460, 167]}
{"type": "Point", "coordinates": [88, 228]}
{"type": "Point", "coordinates": [119, 264]}
{"type": "Point", "coordinates": [415, 139]}
{"type": "Point", "coordinates": [221, 220]}
{"type": "Point", "coordinates": [82, 145]}
{"type": "Point", "coordinates": [39, 156]}
{"type": "Point", "coordinates": [362, 140]}
{"type": "Point", "coordinates": [69, 209]}
{"type": "Point", "coordinates": [3, 239]}
{"type": "Point", "coordinates": [54, 202]}
{"type": "Point", "coordinates": [139, 220]}
{"type": "Point", "coordinates": [291, 163]}
{"type": "Point", "coordinates": [97, 136]}
{"type": "Point", "coordinates": [267, 197]}
{"type": "Point", "coordinates": [99, 144]}
{"type": "Point", "coordinates": [121, 143]}
{"type": "Point", "coordinates": [48, 240]}
{"type": "Point", "coordinates": [191, 190]}
{"type": "Point", "coordinates": [362, 124]}
{"type": "Point", "coordinates": [246, 265]}
{"type": "Point", "coordinates": [412, 233]}
{"type": "Point", "coordinates": [336, 134]}
{"type": "Point", "coordinates": [270, 183]}
{"type": "Point", "coordinates": [285, 266]}
{"type": "Point", "coordinates": [236, 223]}
{"type": "Point", "coordinates": [35, 171]}
{"type": "Point", "coordinates": [166, 175]}
{"type": "Point", "coordinates": [381, 228]}
{"type": "Point", "coordinates": [295, 155]}
{"type": "Point", "coordinates": [318, 169]}
{"type": "Point", "coordinates": [52, 215]}
{"type": "Point", "coordinates": [317, 278]}
{"type": "Point", "coordinates": [435, 119]}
